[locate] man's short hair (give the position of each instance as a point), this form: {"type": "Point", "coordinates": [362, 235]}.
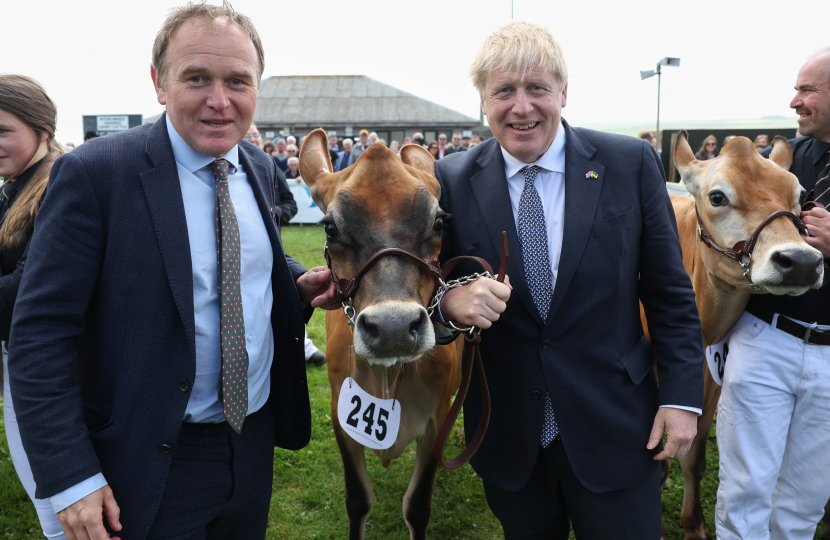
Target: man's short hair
{"type": "Point", "coordinates": [90, 135]}
{"type": "Point", "coordinates": [291, 147]}
{"type": "Point", "coordinates": [206, 12]}
{"type": "Point", "coordinates": [348, 141]}
{"type": "Point", "coordinates": [291, 139]}
{"type": "Point", "coordinates": [521, 47]}
{"type": "Point", "coordinates": [293, 160]}
{"type": "Point", "coordinates": [363, 132]}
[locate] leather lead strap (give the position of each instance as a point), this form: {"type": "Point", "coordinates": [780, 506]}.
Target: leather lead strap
{"type": "Point", "coordinates": [472, 355]}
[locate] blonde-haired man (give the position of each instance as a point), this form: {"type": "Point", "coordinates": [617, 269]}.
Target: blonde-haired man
{"type": "Point", "coordinates": [577, 423]}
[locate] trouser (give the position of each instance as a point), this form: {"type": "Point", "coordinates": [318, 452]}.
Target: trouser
{"type": "Point", "coordinates": [48, 519]}
{"type": "Point", "coordinates": [554, 498]}
{"type": "Point", "coordinates": [773, 435]}
{"type": "Point", "coordinates": [219, 484]}
{"type": "Point", "coordinates": [310, 348]}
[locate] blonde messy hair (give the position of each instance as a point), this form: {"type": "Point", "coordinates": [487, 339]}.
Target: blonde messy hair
{"type": "Point", "coordinates": [521, 47]}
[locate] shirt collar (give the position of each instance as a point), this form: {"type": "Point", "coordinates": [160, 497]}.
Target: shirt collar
{"type": "Point", "coordinates": [552, 160]}
{"type": "Point", "coordinates": [819, 149]}
{"type": "Point", "coordinates": [192, 159]}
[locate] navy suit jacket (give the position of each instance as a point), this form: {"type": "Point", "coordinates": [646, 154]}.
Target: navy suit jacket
{"type": "Point", "coordinates": [341, 162]}
{"type": "Point", "coordinates": [102, 348]}
{"type": "Point", "coordinates": [620, 246]}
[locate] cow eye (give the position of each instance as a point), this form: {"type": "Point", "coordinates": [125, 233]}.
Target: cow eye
{"type": "Point", "coordinates": [439, 225]}
{"type": "Point", "coordinates": [717, 198]}
{"type": "Point", "coordinates": [331, 230]}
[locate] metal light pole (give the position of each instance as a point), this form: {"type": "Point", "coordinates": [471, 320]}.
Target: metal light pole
{"type": "Point", "coordinates": [667, 61]}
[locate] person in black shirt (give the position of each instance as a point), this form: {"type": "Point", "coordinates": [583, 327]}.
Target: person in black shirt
{"type": "Point", "coordinates": [27, 151]}
{"type": "Point", "coordinates": [773, 422]}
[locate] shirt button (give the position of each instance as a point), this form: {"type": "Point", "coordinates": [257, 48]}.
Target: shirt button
{"type": "Point", "coordinates": [250, 338]}
{"type": "Point", "coordinates": [165, 448]}
{"type": "Point", "coordinates": [545, 345]}
{"type": "Point", "coordinates": [536, 394]}
{"type": "Point", "coordinates": [184, 386]}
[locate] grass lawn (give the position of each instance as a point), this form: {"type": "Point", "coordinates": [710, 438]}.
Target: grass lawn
{"type": "Point", "coordinates": [308, 484]}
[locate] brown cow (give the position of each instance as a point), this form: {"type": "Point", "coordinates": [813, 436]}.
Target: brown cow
{"type": "Point", "coordinates": [382, 202]}
{"type": "Point", "coordinates": [733, 194]}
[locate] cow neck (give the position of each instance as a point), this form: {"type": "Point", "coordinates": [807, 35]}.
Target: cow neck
{"type": "Point", "coordinates": [719, 305]}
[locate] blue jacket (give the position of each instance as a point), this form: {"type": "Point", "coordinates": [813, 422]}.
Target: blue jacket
{"type": "Point", "coordinates": [103, 335]}
{"type": "Point", "coordinates": [620, 246]}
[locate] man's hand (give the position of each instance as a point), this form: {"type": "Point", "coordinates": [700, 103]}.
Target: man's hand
{"type": "Point", "coordinates": [681, 426]}
{"type": "Point", "coordinates": [818, 223]}
{"type": "Point", "coordinates": [477, 304]}
{"type": "Point", "coordinates": [83, 520]}
{"type": "Point", "coordinates": [317, 288]}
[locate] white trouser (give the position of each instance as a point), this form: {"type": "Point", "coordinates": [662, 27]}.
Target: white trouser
{"type": "Point", "coordinates": [773, 435]}
{"type": "Point", "coordinates": [309, 347]}
{"type": "Point", "coordinates": [48, 520]}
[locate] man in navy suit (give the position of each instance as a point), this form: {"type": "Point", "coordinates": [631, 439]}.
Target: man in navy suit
{"type": "Point", "coordinates": [158, 338]}
{"type": "Point", "coordinates": [577, 416]}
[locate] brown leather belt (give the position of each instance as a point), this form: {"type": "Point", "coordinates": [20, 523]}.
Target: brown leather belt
{"type": "Point", "coordinates": [810, 336]}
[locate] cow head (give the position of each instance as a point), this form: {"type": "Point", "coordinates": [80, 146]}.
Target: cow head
{"type": "Point", "coordinates": [736, 192]}
{"type": "Point", "coordinates": [381, 202]}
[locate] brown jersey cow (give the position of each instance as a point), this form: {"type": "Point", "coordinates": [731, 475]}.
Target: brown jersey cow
{"type": "Point", "coordinates": [733, 194]}
{"type": "Point", "coordinates": [385, 202]}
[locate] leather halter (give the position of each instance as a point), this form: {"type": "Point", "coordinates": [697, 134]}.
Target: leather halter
{"type": "Point", "coordinates": [745, 247]}
{"type": "Point", "coordinates": [346, 288]}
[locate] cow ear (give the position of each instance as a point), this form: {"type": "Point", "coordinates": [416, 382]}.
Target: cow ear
{"type": "Point", "coordinates": [419, 157]}
{"type": "Point", "coordinates": [684, 160]}
{"type": "Point", "coordinates": [316, 169]}
{"type": "Point", "coordinates": [782, 154]}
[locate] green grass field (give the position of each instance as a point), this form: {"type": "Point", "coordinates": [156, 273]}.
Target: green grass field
{"type": "Point", "coordinates": [308, 484]}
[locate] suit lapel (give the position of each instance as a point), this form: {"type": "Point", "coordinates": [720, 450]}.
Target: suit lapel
{"type": "Point", "coordinates": [261, 185]}
{"type": "Point", "coordinates": [164, 199]}
{"type": "Point", "coordinates": [581, 200]}
{"type": "Point", "coordinates": [490, 188]}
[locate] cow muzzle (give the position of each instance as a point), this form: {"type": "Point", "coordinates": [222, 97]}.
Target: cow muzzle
{"type": "Point", "coordinates": [393, 332]}
{"type": "Point", "coordinates": [790, 269]}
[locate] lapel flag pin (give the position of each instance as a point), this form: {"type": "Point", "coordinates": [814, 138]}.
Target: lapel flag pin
{"type": "Point", "coordinates": [591, 174]}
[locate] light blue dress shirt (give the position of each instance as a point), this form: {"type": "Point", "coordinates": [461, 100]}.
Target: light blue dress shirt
{"type": "Point", "coordinates": [199, 196]}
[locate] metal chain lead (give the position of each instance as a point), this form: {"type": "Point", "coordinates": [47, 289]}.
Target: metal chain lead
{"type": "Point", "coordinates": [445, 286]}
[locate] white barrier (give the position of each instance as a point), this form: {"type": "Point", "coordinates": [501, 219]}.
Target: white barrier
{"type": "Point", "coordinates": [307, 211]}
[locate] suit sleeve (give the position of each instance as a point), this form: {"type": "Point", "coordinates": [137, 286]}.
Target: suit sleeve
{"type": "Point", "coordinates": [666, 293]}
{"type": "Point", "coordinates": [10, 283]}
{"type": "Point", "coordinates": [61, 275]}
{"type": "Point", "coordinates": [285, 206]}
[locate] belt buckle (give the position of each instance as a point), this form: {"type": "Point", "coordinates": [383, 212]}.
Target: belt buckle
{"type": "Point", "coordinates": [807, 336]}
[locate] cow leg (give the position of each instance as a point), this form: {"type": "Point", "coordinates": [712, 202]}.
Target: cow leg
{"type": "Point", "coordinates": [417, 503]}
{"type": "Point", "coordinates": [359, 494]}
{"type": "Point", "coordinates": [694, 466]}
{"type": "Point", "coordinates": [825, 523]}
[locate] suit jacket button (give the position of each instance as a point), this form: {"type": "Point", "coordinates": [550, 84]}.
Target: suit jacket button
{"type": "Point", "coordinates": [545, 345]}
{"type": "Point", "coordinates": [184, 386]}
{"type": "Point", "coordinates": [165, 448]}
{"type": "Point", "coordinates": [536, 394]}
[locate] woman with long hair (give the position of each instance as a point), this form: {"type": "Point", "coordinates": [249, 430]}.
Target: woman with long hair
{"type": "Point", "coordinates": [433, 149]}
{"type": "Point", "coordinates": [28, 150]}
{"type": "Point", "coordinates": [709, 149]}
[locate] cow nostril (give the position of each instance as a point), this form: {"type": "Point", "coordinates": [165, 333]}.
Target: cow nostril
{"type": "Point", "coordinates": [417, 325]}
{"type": "Point", "coordinates": [782, 260]}
{"type": "Point", "coordinates": [368, 328]}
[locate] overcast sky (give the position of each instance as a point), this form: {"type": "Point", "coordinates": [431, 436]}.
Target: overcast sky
{"type": "Point", "coordinates": [739, 58]}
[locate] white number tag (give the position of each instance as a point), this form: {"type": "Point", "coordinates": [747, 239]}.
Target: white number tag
{"type": "Point", "coordinates": [371, 421]}
{"type": "Point", "coordinates": [716, 358]}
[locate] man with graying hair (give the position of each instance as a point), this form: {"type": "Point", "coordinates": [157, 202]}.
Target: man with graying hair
{"type": "Point", "coordinates": [577, 417]}
{"type": "Point", "coordinates": [773, 422]}
{"type": "Point", "coordinates": [153, 380]}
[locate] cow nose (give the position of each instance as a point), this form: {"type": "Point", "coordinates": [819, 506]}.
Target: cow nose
{"type": "Point", "coordinates": [397, 332]}
{"type": "Point", "coordinates": [798, 267]}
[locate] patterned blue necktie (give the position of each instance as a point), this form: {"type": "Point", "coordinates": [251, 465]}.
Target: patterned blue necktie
{"type": "Point", "coordinates": [533, 235]}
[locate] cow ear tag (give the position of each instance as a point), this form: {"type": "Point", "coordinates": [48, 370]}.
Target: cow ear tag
{"type": "Point", "coordinates": [371, 421]}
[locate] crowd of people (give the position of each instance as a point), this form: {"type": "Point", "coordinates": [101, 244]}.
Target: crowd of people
{"type": "Point", "coordinates": [152, 324]}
